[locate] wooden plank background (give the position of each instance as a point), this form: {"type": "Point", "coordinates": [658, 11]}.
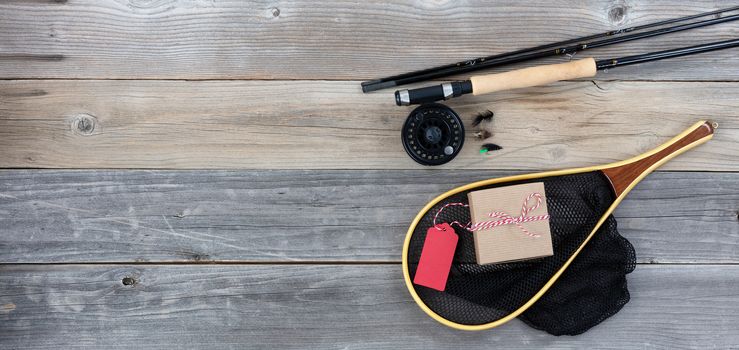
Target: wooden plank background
{"type": "Point", "coordinates": [208, 174]}
{"type": "Point", "coordinates": [340, 40]}
{"type": "Point", "coordinates": [332, 125]}
{"type": "Point", "coordinates": [319, 307]}
{"type": "Point", "coordinates": [308, 216]}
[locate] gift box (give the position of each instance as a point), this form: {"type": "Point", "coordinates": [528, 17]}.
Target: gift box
{"type": "Point", "coordinates": [510, 223]}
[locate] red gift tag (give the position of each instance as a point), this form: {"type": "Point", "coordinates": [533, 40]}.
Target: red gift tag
{"type": "Point", "coordinates": [436, 257]}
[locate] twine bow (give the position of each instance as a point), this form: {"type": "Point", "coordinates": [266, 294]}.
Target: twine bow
{"type": "Point", "coordinates": [506, 219]}
{"type": "Point", "coordinates": [503, 218]}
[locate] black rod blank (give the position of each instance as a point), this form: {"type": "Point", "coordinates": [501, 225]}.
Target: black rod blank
{"type": "Point", "coordinates": [554, 49]}
{"type": "Point", "coordinates": [654, 56]}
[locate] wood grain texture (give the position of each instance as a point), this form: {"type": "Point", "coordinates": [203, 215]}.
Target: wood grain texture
{"type": "Point", "coordinates": [332, 125]}
{"type": "Point", "coordinates": [204, 39]}
{"type": "Point", "coordinates": [309, 216]}
{"type": "Point", "coordinates": [622, 176]}
{"type": "Point", "coordinates": [326, 307]}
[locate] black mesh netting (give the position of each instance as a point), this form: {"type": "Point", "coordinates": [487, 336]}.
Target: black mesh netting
{"type": "Point", "coordinates": [591, 289]}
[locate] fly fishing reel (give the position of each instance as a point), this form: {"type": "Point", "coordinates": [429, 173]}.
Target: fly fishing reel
{"type": "Point", "coordinates": [433, 134]}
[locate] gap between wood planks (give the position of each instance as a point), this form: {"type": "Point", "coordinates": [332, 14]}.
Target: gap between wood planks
{"type": "Point", "coordinates": [297, 263]}
{"type": "Point", "coordinates": [359, 79]}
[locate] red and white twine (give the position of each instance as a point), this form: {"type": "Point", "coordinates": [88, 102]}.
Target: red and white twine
{"type": "Point", "coordinates": [465, 226]}
{"type": "Point", "coordinates": [503, 218]}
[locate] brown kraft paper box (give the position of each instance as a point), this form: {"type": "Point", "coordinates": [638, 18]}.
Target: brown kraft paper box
{"type": "Point", "coordinates": [507, 243]}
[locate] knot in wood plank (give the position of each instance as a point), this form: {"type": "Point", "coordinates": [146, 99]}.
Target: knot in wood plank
{"type": "Point", "coordinates": [617, 13]}
{"type": "Point", "coordinates": [84, 124]}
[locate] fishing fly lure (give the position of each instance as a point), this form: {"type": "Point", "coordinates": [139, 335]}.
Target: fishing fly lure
{"type": "Point", "coordinates": [579, 286]}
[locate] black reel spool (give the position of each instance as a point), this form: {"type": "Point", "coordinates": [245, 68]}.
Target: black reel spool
{"type": "Point", "coordinates": [433, 134]}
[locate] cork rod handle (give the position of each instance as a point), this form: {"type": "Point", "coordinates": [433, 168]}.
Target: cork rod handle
{"type": "Point", "coordinates": [534, 76]}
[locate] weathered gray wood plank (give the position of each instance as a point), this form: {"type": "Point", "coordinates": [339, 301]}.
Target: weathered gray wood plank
{"type": "Point", "coordinates": [331, 125]}
{"type": "Point", "coordinates": [326, 307]}
{"type": "Point", "coordinates": [125, 216]}
{"type": "Point", "coordinates": [203, 39]}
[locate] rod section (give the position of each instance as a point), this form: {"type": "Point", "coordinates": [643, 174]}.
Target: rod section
{"type": "Point", "coordinates": [660, 55]}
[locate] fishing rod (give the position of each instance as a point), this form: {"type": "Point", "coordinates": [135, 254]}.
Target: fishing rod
{"type": "Point", "coordinates": [535, 76]}
{"type": "Point", "coordinates": [433, 134]}
{"type": "Point", "coordinates": [555, 49]}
